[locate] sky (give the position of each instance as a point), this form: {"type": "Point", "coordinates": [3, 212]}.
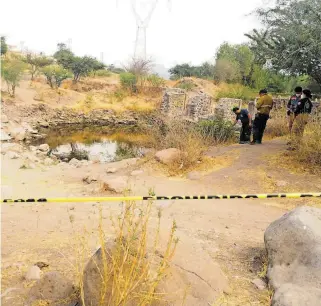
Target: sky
{"type": "Point", "coordinates": [184, 31]}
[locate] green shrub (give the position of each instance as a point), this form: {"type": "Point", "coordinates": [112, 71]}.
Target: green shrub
{"type": "Point", "coordinates": [128, 81]}
{"type": "Point", "coordinates": [188, 86]}
{"type": "Point", "coordinates": [155, 81]}
{"type": "Point", "coordinates": [236, 91]}
{"type": "Point", "coordinates": [216, 130]}
{"type": "Point", "coordinates": [100, 73]}
{"type": "Point", "coordinates": [55, 74]}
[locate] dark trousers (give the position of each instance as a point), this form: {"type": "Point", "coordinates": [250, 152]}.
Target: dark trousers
{"type": "Point", "coordinates": [245, 134]}
{"type": "Point", "coordinates": [259, 126]}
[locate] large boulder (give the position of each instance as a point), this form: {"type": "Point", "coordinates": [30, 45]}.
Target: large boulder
{"type": "Point", "coordinates": [55, 288]}
{"type": "Point", "coordinates": [202, 281]}
{"type": "Point", "coordinates": [293, 243]}
{"type": "Point", "coordinates": [168, 156]}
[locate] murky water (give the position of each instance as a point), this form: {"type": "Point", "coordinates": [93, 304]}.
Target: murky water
{"type": "Point", "coordinates": [105, 144]}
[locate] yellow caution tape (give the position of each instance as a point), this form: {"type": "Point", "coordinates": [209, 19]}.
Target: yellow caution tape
{"type": "Point", "coordinates": [160, 198]}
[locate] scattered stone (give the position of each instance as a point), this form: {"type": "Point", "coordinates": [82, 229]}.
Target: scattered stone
{"type": "Point", "coordinates": [32, 148]}
{"type": "Point", "coordinates": [15, 147]}
{"type": "Point", "coordinates": [41, 265]}
{"type": "Point", "coordinates": [54, 287]}
{"type": "Point", "coordinates": [18, 133]}
{"type": "Point", "coordinates": [168, 156]}
{"type": "Point", "coordinates": [194, 176]}
{"type": "Point", "coordinates": [281, 183]}
{"type": "Point", "coordinates": [13, 155]}
{"type": "Point", "coordinates": [293, 243]}
{"type": "Point", "coordinates": [44, 147]}
{"type": "Point", "coordinates": [111, 170]}
{"type": "Point", "coordinates": [89, 179]}
{"type": "Point", "coordinates": [27, 164]}
{"type": "Point", "coordinates": [137, 172]}
{"type": "Point", "coordinates": [4, 119]}
{"type": "Point", "coordinates": [117, 185]}
{"type": "Point", "coordinates": [33, 273]}
{"type": "Point", "coordinates": [48, 162]}
{"type": "Point", "coordinates": [259, 283]}
{"type": "Point", "coordinates": [34, 131]}
{"type": "Point", "coordinates": [44, 124]}
{"type": "Point", "coordinates": [4, 136]}
{"type": "Point", "coordinates": [75, 162]}
{"type": "Point", "coordinates": [31, 157]}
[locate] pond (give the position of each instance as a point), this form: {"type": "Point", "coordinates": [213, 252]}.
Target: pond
{"type": "Point", "coordinates": [103, 143]}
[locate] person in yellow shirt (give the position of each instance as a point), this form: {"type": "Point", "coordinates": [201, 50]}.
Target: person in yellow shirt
{"type": "Point", "coordinates": [264, 106]}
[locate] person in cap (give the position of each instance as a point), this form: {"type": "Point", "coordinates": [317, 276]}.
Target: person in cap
{"type": "Point", "coordinates": [301, 113]}
{"type": "Point", "coordinates": [244, 116]}
{"type": "Point", "coordinates": [263, 105]}
{"type": "Point", "coordinates": [292, 105]}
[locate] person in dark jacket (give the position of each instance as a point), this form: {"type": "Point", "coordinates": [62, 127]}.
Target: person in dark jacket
{"type": "Point", "coordinates": [246, 120]}
{"type": "Point", "coordinates": [302, 112]}
{"type": "Point", "coordinates": [292, 105]}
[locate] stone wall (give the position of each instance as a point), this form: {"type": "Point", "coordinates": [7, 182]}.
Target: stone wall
{"type": "Point", "coordinates": [224, 107]}
{"type": "Point", "coordinates": [174, 102]}
{"type": "Point", "coordinates": [199, 106]}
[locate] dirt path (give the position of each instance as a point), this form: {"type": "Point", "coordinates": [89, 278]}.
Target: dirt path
{"type": "Point", "coordinates": [228, 232]}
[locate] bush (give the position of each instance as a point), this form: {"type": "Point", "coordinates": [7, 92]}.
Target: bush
{"type": "Point", "coordinates": [128, 81]}
{"type": "Point", "coordinates": [155, 81]}
{"type": "Point", "coordinates": [186, 85]}
{"type": "Point", "coordinates": [236, 91]}
{"type": "Point", "coordinates": [100, 73]}
{"type": "Point", "coordinates": [309, 148]}
{"type": "Point", "coordinates": [55, 74]}
{"type": "Point", "coordinates": [216, 130]}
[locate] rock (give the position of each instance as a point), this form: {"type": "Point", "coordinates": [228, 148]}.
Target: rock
{"type": "Point", "coordinates": [4, 136]}
{"type": "Point", "coordinates": [32, 148]}
{"type": "Point", "coordinates": [75, 162]}
{"type": "Point", "coordinates": [44, 124]}
{"type": "Point", "coordinates": [281, 183]}
{"type": "Point", "coordinates": [41, 265]}
{"type": "Point", "coordinates": [4, 119]}
{"type": "Point", "coordinates": [18, 133]}
{"type": "Point", "coordinates": [194, 176]}
{"type": "Point", "coordinates": [14, 147]}
{"type": "Point", "coordinates": [292, 295]}
{"type": "Point", "coordinates": [44, 147]}
{"type": "Point", "coordinates": [89, 179]}
{"type": "Point", "coordinates": [54, 287]}
{"type": "Point", "coordinates": [137, 172]}
{"type": "Point", "coordinates": [33, 273]}
{"type": "Point", "coordinates": [111, 170]}
{"type": "Point", "coordinates": [48, 162]}
{"type": "Point", "coordinates": [117, 185]}
{"type": "Point", "coordinates": [168, 156]}
{"type": "Point", "coordinates": [13, 155]}
{"type": "Point", "coordinates": [34, 131]}
{"type": "Point", "coordinates": [31, 157]}
{"type": "Point", "coordinates": [27, 164]}
{"type": "Point", "coordinates": [259, 283]}
{"type": "Point", "coordinates": [293, 243]}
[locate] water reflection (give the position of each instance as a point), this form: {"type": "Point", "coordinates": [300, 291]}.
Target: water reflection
{"type": "Point", "coordinates": [103, 144]}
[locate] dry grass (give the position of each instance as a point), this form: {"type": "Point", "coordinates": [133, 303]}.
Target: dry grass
{"type": "Point", "coordinates": [132, 269]}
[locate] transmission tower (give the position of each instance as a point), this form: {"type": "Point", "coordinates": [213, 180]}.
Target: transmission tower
{"type": "Point", "coordinates": [142, 23]}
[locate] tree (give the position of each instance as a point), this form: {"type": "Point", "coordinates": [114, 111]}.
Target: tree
{"type": "Point", "coordinates": [4, 46]}
{"type": "Point", "coordinates": [36, 63]}
{"type": "Point", "coordinates": [180, 71]}
{"type": "Point", "coordinates": [139, 67]}
{"type": "Point", "coordinates": [291, 39]}
{"type": "Point", "coordinates": [12, 71]}
{"type": "Point", "coordinates": [82, 66]}
{"type": "Point", "coordinates": [55, 74]}
{"type": "Point", "coordinates": [226, 71]}
{"type": "Point", "coordinates": [64, 56]}
{"type": "Point", "coordinates": [241, 60]}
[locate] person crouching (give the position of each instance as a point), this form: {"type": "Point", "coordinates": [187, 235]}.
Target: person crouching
{"type": "Point", "coordinates": [246, 120]}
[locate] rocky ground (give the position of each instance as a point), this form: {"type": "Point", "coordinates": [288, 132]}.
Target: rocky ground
{"type": "Point", "coordinates": [220, 254]}
{"type": "Point", "coordinates": [221, 242]}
